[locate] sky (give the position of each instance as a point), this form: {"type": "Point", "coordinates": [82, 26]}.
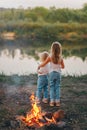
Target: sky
{"type": "Point", "coordinates": [45, 3]}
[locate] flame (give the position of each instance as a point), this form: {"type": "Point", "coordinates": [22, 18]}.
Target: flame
{"type": "Point", "coordinates": [32, 118]}
{"type": "Point", "coordinates": [35, 115]}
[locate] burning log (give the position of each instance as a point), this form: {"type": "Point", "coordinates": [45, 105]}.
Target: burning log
{"type": "Point", "coordinates": [48, 115]}
{"type": "Point", "coordinates": [58, 115]}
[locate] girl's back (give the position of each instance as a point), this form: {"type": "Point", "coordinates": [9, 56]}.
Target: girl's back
{"type": "Point", "coordinates": [55, 67]}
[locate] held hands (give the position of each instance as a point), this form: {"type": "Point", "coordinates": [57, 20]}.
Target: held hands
{"type": "Point", "coordinates": [38, 70]}
{"type": "Point", "coordinates": [38, 67]}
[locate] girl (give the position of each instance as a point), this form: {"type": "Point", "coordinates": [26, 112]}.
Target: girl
{"type": "Point", "coordinates": [42, 82]}
{"type": "Point", "coordinates": [56, 63]}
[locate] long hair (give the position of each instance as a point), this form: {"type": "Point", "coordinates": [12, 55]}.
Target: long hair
{"type": "Point", "coordinates": [56, 52]}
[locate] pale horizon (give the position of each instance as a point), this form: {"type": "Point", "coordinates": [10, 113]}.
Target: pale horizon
{"type": "Point", "coordinates": [76, 4]}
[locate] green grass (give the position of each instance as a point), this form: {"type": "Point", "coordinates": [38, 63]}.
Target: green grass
{"type": "Point", "coordinates": [21, 111]}
{"type": "Point", "coordinates": [66, 80]}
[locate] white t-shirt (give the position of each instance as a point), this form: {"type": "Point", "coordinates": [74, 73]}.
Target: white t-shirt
{"type": "Point", "coordinates": [55, 67]}
{"type": "Point", "coordinates": [44, 70]}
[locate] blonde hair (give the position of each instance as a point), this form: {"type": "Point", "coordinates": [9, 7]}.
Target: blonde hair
{"type": "Point", "coordinates": [44, 55]}
{"type": "Point", "coordinates": [56, 52]}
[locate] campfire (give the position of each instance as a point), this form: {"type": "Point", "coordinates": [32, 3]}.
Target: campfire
{"type": "Point", "coordinates": [36, 118]}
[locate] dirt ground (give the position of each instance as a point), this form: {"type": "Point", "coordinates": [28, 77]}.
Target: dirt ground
{"type": "Point", "coordinates": [14, 100]}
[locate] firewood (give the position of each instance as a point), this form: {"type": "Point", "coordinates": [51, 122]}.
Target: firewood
{"type": "Point", "coordinates": [58, 115]}
{"type": "Point", "coordinates": [48, 115]}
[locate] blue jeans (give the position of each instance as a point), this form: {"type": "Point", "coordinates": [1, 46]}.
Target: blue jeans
{"type": "Point", "coordinates": [54, 80]}
{"type": "Point", "coordinates": [42, 86]}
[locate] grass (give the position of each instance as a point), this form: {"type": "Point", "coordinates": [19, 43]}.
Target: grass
{"type": "Point", "coordinates": [16, 79]}
{"type": "Point", "coordinates": [68, 78]}
{"type": "Point", "coordinates": [21, 112]}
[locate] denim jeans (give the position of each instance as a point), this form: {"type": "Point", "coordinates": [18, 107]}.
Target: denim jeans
{"type": "Point", "coordinates": [42, 86]}
{"type": "Point", "coordinates": [54, 81]}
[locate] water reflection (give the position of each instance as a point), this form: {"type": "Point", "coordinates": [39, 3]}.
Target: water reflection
{"type": "Point", "coordinates": [75, 66]}
{"type": "Point", "coordinates": [16, 62]}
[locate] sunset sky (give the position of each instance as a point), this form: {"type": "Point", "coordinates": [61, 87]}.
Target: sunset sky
{"type": "Point", "coordinates": [45, 3]}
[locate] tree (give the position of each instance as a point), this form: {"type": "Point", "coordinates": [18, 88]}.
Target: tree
{"type": "Point", "coordinates": [85, 7]}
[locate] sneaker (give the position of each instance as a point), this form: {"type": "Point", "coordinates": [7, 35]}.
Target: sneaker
{"type": "Point", "coordinates": [45, 100]}
{"type": "Point", "coordinates": [51, 103]}
{"type": "Point", "coordinates": [38, 101]}
{"type": "Point", "coordinates": [58, 104]}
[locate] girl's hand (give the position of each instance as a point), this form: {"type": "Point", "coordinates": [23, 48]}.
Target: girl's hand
{"type": "Point", "coordinates": [62, 64]}
{"type": "Point", "coordinates": [38, 67]}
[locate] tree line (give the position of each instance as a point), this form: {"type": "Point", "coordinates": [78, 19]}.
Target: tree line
{"type": "Point", "coordinates": [42, 14]}
{"type": "Point", "coordinates": [40, 22]}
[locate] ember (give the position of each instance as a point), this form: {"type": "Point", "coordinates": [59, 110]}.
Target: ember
{"type": "Point", "coordinates": [36, 118]}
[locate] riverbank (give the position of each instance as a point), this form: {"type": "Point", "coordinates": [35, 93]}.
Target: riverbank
{"type": "Point", "coordinates": [14, 100]}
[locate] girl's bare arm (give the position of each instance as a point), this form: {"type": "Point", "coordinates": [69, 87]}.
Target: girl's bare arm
{"type": "Point", "coordinates": [62, 64]}
{"type": "Point", "coordinates": [44, 63]}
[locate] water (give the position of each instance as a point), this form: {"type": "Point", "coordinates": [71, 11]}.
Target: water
{"type": "Point", "coordinates": [75, 66]}
{"type": "Point", "coordinates": [20, 64]}
{"type": "Point", "coordinates": [14, 60]}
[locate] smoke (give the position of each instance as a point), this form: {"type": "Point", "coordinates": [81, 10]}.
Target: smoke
{"type": "Point", "coordinates": [18, 84]}
{"type": "Point", "coordinates": [11, 90]}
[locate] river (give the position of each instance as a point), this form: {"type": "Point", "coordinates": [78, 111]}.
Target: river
{"type": "Point", "coordinates": [18, 59]}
